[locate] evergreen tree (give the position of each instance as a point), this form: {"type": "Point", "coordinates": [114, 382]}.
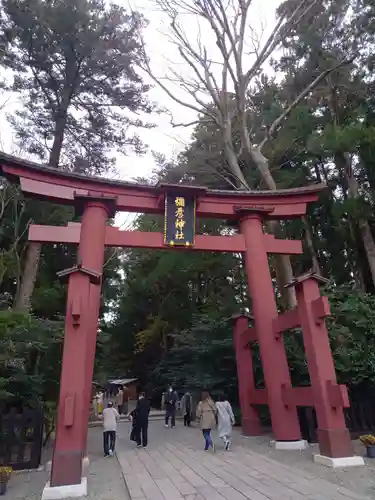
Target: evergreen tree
{"type": "Point", "coordinates": [74, 65]}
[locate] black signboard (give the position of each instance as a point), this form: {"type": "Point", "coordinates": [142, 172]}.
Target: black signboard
{"type": "Point", "coordinates": [179, 220]}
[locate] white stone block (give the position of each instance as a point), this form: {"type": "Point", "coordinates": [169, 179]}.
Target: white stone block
{"type": "Point", "coordinates": [290, 445]}
{"type": "Point", "coordinates": [341, 462]}
{"type": "Point", "coordinates": [69, 491]}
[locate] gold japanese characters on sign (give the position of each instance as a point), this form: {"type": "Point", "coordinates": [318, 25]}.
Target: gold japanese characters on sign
{"type": "Point", "coordinates": [179, 224]}
{"type": "Point", "coordinates": [180, 217]}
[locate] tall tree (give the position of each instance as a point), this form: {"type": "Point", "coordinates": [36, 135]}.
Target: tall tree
{"type": "Point", "coordinates": [222, 81]}
{"type": "Point", "coordinates": [329, 34]}
{"type": "Point", "coordinates": [74, 64]}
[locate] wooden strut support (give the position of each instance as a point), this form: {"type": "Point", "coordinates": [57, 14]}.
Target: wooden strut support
{"type": "Point", "coordinates": [81, 321]}
{"type": "Point", "coordinates": [328, 397]}
{"type": "Point", "coordinates": [324, 394]}
{"type": "Point", "coordinates": [251, 425]}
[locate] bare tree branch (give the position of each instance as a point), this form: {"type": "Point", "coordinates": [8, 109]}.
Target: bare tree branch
{"type": "Point", "coordinates": [273, 128]}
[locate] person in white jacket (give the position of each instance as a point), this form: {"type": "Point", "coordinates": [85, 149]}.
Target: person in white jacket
{"type": "Point", "coordinates": [225, 421]}
{"type": "Point", "coordinates": [110, 417]}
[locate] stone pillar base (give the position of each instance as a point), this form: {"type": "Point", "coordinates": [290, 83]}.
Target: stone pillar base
{"type": "Point", "coordinates": [337, 463]}
{"type": "Point", "coordinates": [301, 444]}
{"type": "Point", "coordinates": [85, 465]}
{"type": "Point", "coordinates": [69, 491]}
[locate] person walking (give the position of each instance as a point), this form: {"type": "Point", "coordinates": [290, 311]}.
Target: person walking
{"type": "Point", "coordinates": [120, 400]}
{"type": "Point", "coordinates": [186, 407]}
{"type": "Point", "coordinates": [133, 418]}
{"type": "Point", "coordinates": [170, 400]}
{"type": "Point", "coordinates": [142, 411]}
{"type": "Point", "coordinates": [110, 417]}
{"type": "Point", "coordinates": [225, 421]}
{"type": "Point", "coordinates": [100, 403]}
{"type": "Point", "coordinates": [125, 400]}
{"type": "Point", "coordinates": [206, 414]}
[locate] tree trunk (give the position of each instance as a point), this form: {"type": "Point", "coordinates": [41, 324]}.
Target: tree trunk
{"type": "Point", "coordinates": [23, 298]}
{"type": "Point", "coordinates": [354, 260]}
{"type": "Point", "coordinates": [363, 224]}
{"type": "Point", "coordinates": [54, 157]}
{"type": "Point", "coordinates": [283, 265]}
{"type": "Point", "coordinates": [231, 157]}
{"type": "Point", "coordinates": [310, 246]}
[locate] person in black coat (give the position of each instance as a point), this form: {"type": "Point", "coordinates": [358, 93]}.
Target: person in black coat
{"type": "Point", "coordinates": [170, 400]}
{"type": "Point", "coordinates": [141, 421]}
{"type": "Point", "coordinates": [133, 418]}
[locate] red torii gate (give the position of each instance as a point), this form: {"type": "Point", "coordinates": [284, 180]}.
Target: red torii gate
{"type": "Point", "coordinates": [97, 200]}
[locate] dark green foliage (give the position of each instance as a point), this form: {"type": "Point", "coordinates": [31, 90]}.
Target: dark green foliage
{"type": "Point", "coordinates": [30, 358]}
{"type": "Point", "coordinates": [168, 313]}
{"type": "Point", "coordinates": [74, 64]}
{"type": "Point", "coordinates": [351, 330]}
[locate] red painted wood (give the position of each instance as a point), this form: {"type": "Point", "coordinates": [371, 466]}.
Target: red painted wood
{"type": "Point", "coordinates": [321, 308]}
{"type": "Point", "coordinates": [285, 247]}
{"type": "Point", "coordinates": [137, 239]}
{"type": "Point", "coordinates": [293, 396]}
{"type": "Point", "coordinates": [338, 395]}
{"type": "Point", "coordinates": [91, 252]}
{"type": "Point", "coordinates": [329, 399]}
{"type": "Point", "coordinates": [249, 336]}
{"type": "Point", "coordinates": [79, 350]}
{"type": "Point", "coordinates": [246, 385]}
{"type": "Point", "coordinates": [69, 411]}
{"type": "Point", "coordinates": [68, 452]}
{"type": "Point", "coordinates": [258, 397]}
{"type": "Point", "coordinates": [285, 321]}
{"type": "Point", "coordinates": [84, 299]}
{"type": "Point", "coordinates": [298, 396]}
{"type": "Point", "coordinates": [76, 310]}
{"type": "Point", "coordinates": [285, 423]}
{"type": "Point", "coordinates": [135, 198]}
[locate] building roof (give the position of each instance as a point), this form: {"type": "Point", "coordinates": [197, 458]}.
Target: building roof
{"type": "Point", "coordinates": [122, 381]}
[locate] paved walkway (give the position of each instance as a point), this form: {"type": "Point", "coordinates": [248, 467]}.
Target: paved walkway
{"type": "Point", "coordinates": [105, 478]}
{"type": "Point", "coordinates": [174, 467]}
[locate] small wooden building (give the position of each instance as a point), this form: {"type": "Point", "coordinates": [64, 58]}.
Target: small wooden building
{"type": "Point", "coordinates": [130, 384]}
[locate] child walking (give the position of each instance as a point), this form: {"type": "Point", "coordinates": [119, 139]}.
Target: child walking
{"type": "Point", "coordinates": [110, 417]}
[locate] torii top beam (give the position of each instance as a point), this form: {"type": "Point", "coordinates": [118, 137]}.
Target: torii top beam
{"type": "Point", "coordinates": [60, 186]}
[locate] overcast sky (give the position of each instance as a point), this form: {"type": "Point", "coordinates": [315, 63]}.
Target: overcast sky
{"type": "Point", "coordinates": [164, 138]}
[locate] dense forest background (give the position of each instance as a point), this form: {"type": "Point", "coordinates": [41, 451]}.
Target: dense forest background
{"type": "Point", "coordinates": [79, 68]}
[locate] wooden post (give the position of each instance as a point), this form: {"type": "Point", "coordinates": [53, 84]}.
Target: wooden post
{"type": "Point", "coordinates": [285, 424]}
{"type": "Point", "coordinates": [246, 385]}
{"type": "Point", "coordinates": [79, 346]}
{"type": "Point", "coordinates": [329, 397]}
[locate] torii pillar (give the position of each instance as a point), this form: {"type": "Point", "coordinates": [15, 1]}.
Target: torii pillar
{"type": "Point", "coordinates": [329, 398]}
{"type": "Point", "coordinates": [285, 424]}
{"type": "Point", "coordinates": [84, 290]}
